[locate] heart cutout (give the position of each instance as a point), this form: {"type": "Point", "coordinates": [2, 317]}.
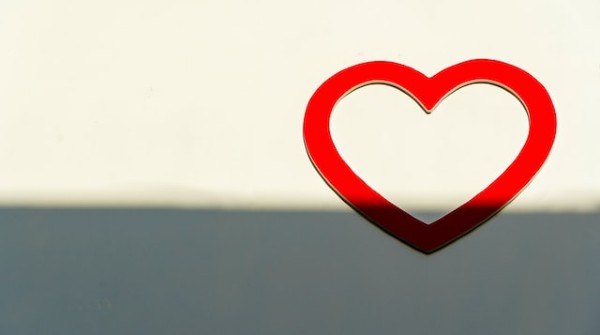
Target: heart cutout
{"type": "Point", "coordinates": [428, 163]}
{"type": "Point", "coordinates": [429, 92]}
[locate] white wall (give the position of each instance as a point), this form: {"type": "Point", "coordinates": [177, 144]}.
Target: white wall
{"type": "Point", "coordinates": [201, 103]}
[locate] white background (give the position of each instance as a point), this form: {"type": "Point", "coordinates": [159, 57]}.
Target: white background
{"type": "Point", "coordinates": [202, 103]}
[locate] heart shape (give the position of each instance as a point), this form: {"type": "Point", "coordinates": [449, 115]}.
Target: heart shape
{"type": "Point", "coordinates": [428, 92]}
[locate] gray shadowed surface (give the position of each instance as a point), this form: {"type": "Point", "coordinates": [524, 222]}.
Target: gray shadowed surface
{"type": "Point", "coordinates": [176, 271]}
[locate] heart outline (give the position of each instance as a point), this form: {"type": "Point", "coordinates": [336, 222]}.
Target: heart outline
{"type": "Point", "coordinates": [429, 92]}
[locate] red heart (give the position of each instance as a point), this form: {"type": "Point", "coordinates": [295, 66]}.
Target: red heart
{"type": "Point", "coordinates": [428, 92]}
